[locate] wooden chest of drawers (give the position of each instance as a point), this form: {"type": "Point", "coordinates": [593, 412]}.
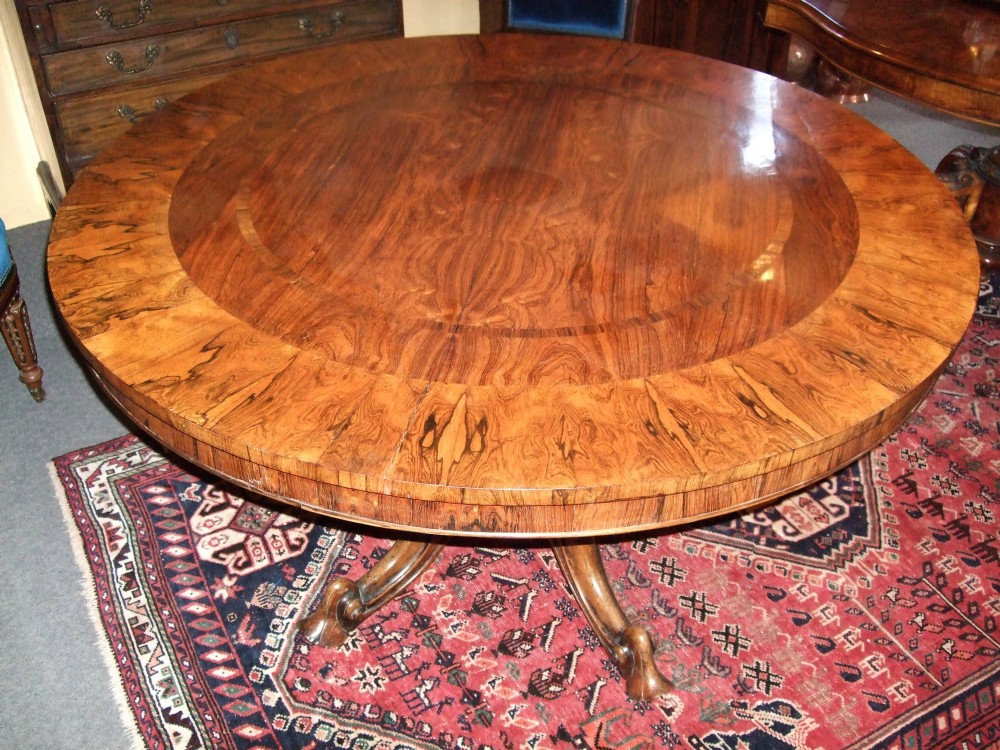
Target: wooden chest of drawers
{"type": "Point", "coordinates": [101, 65]}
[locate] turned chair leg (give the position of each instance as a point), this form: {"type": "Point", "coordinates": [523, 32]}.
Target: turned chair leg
{"type": "Point", "coordinates": [17, 333]}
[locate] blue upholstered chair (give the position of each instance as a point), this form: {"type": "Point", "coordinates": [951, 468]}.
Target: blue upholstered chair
{"type": "Point", "coordinates": [588, 17]}
{"type": "Point", "coordinates": [14, 322]}
{"type": "Point", "coordinates": [607, 18]}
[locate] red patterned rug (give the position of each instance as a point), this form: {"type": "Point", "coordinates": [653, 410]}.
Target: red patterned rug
{"type": "Point", "coordinates": [862, 613]}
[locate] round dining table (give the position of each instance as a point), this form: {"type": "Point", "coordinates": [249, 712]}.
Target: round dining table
{"type": "Point", "coordinates": [514, 288]}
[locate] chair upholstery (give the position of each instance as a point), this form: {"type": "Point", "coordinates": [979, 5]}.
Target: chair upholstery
{"type": "Point", "coordinates": [588, 17]}
{"type": "Point", "coordinates": [616, 19]}
{"type": "Point", "coordinates": [14, 322]}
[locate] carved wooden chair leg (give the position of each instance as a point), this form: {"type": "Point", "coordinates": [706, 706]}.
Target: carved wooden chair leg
{"type": "Point", "coordinates": [630, 645]}
{"type": "Point", "coordinates": [14, 322]}
{"type": "Point", "coordinates": [347, 603]}
{"type": "Point", "coordinates": [17, 335]}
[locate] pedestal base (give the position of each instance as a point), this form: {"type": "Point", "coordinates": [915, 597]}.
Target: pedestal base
{"type": "Point", "coordinates": [347, 603]}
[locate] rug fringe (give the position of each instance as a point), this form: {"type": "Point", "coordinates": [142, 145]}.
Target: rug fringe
{"type": "Point", "coordinates": [88, 589]}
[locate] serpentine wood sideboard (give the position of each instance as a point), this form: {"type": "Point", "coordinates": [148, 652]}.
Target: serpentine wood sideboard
{"type": "Point", "coordinates": [102, 65]}
{"type": "Point", "coordinates": [503, 287]}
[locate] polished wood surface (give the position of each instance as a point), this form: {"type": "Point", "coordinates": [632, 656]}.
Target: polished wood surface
{"type": "Point", "coordinates": [942, 53]}
{"type": "Point", "coordinates": [507, 286]}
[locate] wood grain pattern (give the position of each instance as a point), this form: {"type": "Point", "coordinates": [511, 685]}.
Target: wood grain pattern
{"type": "Point", "coordinates": [512, 285]}
{"type": "Point", "coordinates": [942, 53]}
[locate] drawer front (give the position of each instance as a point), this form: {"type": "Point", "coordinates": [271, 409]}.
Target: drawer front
{"type": "Point", "coordinates": [134, 61]}
{"type": "Point", "coordinates": [90, 124]}
{"type": "Point", "coordinates": [88, 22]}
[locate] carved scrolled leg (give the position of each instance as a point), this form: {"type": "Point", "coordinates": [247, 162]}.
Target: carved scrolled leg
{"type": "Point", "coordinates": [985, 224]}
{"type": "Point", "coordinates": [347, 603]}
{"type": "Point", "coordinates": [972, 175]}
{"type": "Point", "coordinates": [630, 645]}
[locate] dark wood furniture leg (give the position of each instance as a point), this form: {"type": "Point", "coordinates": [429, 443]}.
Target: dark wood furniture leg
{"type": "Point", "coordinates": [630, 645]}
{"type": "Point", "coordinates": [347, 603]}
{"type": "Point", "coordinates": [17, 334]}
{"type": "Point", "coordinates": [972, 174]}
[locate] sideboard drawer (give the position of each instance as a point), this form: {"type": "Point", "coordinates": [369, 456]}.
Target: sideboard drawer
{"type": "Point", "coordinates": [166, 55]}
{"type": "Point", "coordinates": [86, 22]}
{"type": "Point", "coordinates": [89, 124]}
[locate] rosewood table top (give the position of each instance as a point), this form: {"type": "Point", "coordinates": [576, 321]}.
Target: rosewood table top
{"type": "Point", "coordinates": [512, 286]}
{"type": "Point", "coordinates": [942, 53]}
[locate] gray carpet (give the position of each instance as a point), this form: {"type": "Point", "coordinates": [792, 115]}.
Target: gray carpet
{"type": "Point", "coordinates": [54, 687]}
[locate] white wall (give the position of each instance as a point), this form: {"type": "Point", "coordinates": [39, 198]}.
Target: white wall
{"type": "Point", "coordinates": [21, 199]}
{"type": "Point", "coordinates": [432, 17]}
{"type": "Point", "coordinates": [23, 135]}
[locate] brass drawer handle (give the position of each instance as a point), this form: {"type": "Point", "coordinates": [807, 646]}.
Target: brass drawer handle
{"type": "Point", "coordinates": [105, 14]}
{"type": "Point", "coordinates": [115, 58]}
{"type": "Point", "coordinates": [336, 21]}
{"type": "Point", "coordinates": [127, 112]}
{"type": "Point", "coordinates": [231, 38]}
